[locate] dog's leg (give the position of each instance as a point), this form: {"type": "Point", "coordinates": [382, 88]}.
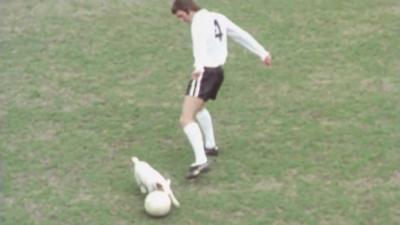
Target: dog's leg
{"type": "Point", "coordinates": [143, 189]}
{"type": "Point", "coordinates": [139, 182]}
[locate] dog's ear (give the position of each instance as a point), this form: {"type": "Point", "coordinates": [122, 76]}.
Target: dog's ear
{"type": "Point", "coordinates": [159, 187]}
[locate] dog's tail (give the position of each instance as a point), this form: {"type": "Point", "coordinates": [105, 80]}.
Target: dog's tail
{"type": "Point", "coordinates": [171, 195]}
{"type": "Point", "coordinates": [174, 200]}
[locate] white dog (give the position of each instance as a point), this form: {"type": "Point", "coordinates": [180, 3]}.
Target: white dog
{"type": "Point", "coordinates": [150, 179]}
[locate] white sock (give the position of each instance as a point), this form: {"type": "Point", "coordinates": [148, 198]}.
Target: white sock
{"type": "Point", "coordinates": [193, 133]}
{"type": "Point", "coordinates": [204, 119]}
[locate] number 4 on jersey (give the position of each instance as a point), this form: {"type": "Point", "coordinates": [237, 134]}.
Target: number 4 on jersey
{"type": "Point", "coordinates": [218, 32]}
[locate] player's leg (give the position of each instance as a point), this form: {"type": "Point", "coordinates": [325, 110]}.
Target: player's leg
{"type": "Point", "coordinates": [198, 92]}
{"type": "Point", "coordinates": [191, 105]}
{"type": "Point", "coordinates": [204, 119]}
{"type": "Point", "coordinates": [212, 81]}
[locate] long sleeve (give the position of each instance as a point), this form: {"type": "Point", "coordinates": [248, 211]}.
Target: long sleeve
{"type": "Point", "coordinates": [245, 39]}
{"type": "Point", "coordinates": [199, 39]}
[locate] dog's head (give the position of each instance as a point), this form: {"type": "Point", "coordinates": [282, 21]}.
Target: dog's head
{"type": "Point", "coordinates": [134, 160]}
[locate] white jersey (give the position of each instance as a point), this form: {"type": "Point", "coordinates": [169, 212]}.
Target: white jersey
{"type": "Point", "coordinates": [209, 37]}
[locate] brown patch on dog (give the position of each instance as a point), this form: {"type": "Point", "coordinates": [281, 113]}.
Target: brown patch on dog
{"type": "Point", "coordinates": [159, 187]}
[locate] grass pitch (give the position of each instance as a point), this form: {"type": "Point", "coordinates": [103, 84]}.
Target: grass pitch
{"type": "Point", "coordinates": [315, 140]}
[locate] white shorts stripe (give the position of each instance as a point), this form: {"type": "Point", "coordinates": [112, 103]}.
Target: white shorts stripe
{"type": "Point", "coordinates": [196, 94]}
{"type": "Point", "coordinates": [192, 87]}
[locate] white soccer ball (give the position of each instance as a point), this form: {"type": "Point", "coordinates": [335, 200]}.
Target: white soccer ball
{"type": "Point", "coordinates": [157, 203]}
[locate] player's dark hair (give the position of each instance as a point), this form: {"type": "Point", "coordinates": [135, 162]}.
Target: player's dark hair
{"type": "Point", "coordinates": [184, 5]}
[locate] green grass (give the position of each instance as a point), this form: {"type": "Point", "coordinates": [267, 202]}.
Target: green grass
{"type": "Point", "coordinates": [314, 140]}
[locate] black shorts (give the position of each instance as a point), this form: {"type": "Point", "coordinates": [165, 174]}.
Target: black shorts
{"type": "Point", "coordinates": [207, 85]}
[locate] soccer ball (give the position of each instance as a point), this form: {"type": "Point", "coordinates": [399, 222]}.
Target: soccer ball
{"type": "Point", "coordinates": [157, 203]}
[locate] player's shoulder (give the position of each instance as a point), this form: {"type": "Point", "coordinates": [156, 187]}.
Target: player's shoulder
{"type": "Point", "coordinates": [217, 14]}
{"type": "Point", "coordinates": [206, 14]}
{"type": "Point", "coordinates": [222, 19]}
{"type": "Point", "coordinates": [204, 17]}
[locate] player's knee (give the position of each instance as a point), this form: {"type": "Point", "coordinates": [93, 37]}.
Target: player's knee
{"type": "Point", "coordinates": [185, 120]}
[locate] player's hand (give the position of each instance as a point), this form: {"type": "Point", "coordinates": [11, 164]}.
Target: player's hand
{"type": "Point", "coordinates": [268, 60]}
{"type": "Point", "coordinates": [196, 74]}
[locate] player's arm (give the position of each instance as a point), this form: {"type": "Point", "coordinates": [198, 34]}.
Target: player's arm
{"type": "Point", "coordinates": [199, 47]}
{"type": "Point", "coordinates": [246, 40]}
